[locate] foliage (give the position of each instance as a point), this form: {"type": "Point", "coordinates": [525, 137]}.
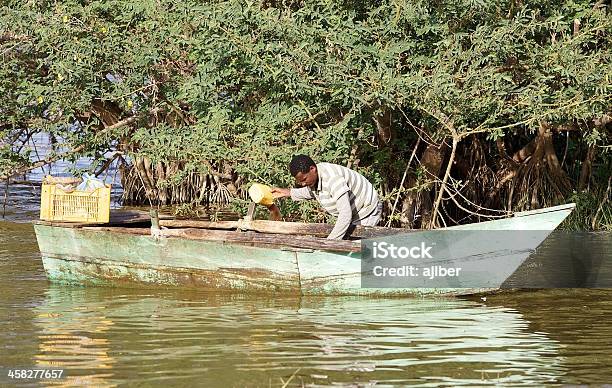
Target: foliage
{"type": "Point", "coordinates": [234, 88]}
{"type": "Point", "coordinates": [593, 212]}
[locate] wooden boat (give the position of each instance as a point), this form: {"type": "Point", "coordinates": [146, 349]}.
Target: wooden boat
{"type": "Point", "coordinates": [254, 256]}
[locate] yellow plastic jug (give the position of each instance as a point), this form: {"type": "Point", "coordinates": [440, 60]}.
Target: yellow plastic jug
{"type": "Point", "coordinates": [261, 194]}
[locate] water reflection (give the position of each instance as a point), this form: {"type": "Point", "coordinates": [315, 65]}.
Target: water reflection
{"type": "Point", "coordinates": [108, 337]}
{"type": "Point", "coordinates": [579, 319]}
{"type": "Point", "coordinates": [104, 336]}
{"type": "Point", "coordinates": [74, 339]}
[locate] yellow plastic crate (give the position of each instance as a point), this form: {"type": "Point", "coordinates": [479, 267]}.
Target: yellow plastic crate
{"type": "Point", "coordinates": [76, 206]}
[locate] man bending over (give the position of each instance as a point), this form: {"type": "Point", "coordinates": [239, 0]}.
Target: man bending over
{"type": "Point", "coordinates": [342, 192]}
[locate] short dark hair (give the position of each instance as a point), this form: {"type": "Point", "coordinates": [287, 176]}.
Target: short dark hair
{"type": "Point", "coordinates": [300, 163]}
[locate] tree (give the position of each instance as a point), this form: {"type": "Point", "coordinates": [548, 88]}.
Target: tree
{"type": "Point", "coordinates": [199, 98]}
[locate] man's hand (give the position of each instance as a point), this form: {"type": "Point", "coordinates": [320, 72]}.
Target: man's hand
{"type": "Point", "coordinates": [275, 214]}
{"type": "Point", "coordinates": [277, 192]}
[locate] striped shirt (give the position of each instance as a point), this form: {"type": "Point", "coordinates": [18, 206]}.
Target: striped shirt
{"type": "Point", "coordinates": [334, 181]}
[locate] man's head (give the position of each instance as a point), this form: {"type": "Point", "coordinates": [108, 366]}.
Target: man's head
{"type": "Point", "coordinates": [304, 170]}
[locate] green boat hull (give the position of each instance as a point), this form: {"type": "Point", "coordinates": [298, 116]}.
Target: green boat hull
{"type": "Point", "coordinates": [103, 257]}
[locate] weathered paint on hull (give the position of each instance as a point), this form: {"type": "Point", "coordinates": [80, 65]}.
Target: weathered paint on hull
{"type": "Point", "coordinates": [103, 257]}
{"type": "Point", "coordinates": [106, 258]}
{"type": "Point", "coordinates": [107, 273]}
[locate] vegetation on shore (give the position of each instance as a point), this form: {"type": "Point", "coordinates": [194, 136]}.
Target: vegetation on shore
{"type": "Point", "coordinates": [458, 111]}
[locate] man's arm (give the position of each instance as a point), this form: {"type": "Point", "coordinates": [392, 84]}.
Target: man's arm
{"type": "Point", "coordinates": [275, 214]}
{"type": "Point", "coordinates": [344, 217]}
{"type": "Point", "coordinates": [278, 192]}
{"type": "Point", "coordinates": [300, 194]}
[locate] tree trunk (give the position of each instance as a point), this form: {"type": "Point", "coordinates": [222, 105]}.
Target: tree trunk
{"type": "Point", "coordinates": [587, 167]}
{"type": "Point", "coordinates": [383, 126]}
{"type": "Point", "coordinates": [431, 160]}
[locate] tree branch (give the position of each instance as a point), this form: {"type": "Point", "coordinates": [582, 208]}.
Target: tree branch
{"type": "Point", "coordinates": [41, 163]}
{"type": "Point", "coordinates": [56, 157]}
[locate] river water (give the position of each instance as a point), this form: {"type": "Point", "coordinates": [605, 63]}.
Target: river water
{"type": "Point", "coordinates": [115, 337]}
{"type": "Point", "coordinates": [109, 337]}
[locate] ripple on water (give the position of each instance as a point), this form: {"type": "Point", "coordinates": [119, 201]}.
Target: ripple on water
{"type": "Point", "coordinates": [105, 337]}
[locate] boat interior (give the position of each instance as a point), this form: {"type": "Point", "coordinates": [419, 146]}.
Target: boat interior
{"type": "Point", "coordinates": [245, 230]}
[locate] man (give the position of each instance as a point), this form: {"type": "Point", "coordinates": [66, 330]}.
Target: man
{"type": "Point", "coordinates": [341, 191]}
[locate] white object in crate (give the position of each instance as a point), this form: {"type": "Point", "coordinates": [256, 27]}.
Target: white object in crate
{"type": "Point", "coordinates": [90, 183]}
